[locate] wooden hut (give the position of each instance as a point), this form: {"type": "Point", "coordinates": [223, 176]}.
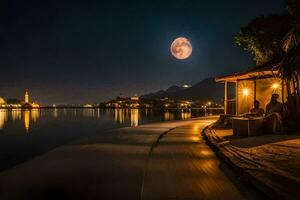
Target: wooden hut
{"type": "Point", "coordinates": [257, 83]}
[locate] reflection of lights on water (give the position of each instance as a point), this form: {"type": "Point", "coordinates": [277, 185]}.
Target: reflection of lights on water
{"type": "Point", "coordinates": [65, 112]}
{"type": "Point", "coordinates": [55, 112]}
{"type": "Point", "coordinates": [27, 116]}
{"type": "Point", "coordinates": [88, 112]}
{"type": "Point", "coordinates": [127, 114]}
{"type": "Point", "coordinates": [3, 117]}
{"type": "Point", "coordinates": [16, 114]}
{"type": "Point", "coordinates": [119, 115]}
{"type": "Point", "coordinates": [168, 116]}
{"type": "Point", "coordinates": [98, 113]}
{"type": "Point", "coordinates": [134, 117]}
{"type": "Point", "coordinates": [27, 120]}
{"type": "Point", "coordinates": [186, 115]}
{"type": "Point", "coordinates": [35, 114]}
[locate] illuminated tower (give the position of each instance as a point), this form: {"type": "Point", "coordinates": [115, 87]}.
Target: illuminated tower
{"type": "Point", "coordinates": [26, 97]}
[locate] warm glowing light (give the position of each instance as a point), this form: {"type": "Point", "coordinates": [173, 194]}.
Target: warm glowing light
{"type": "Point", "coordinates": [16, 114]}
{"type": "Point", "coordinates": [186, 115]}
{"type": "Point", "coordinates": [87, 106]}
{"type": "Point", "coordinates": [206, 152]}
{"type": "Point", "coordinates": [196, 129]}
{"type": "Point", "coordinates": [134, 117]}
{"type": "Point", "coordinates": [98, 113]}
{"type": "Point", "coordinates": [26, 98]}
{"type": "Point", "coordinates": [168, 116]}
{"type": "Point", "coordinates": [134, 98]}
{"type": "Point", "coordinates": [88, 112]}
{"type": "Point", "coordinates": [119, 115]}
{"type": "Point", "coordinates": [275, 86]}
{"type": "Point", "coordinates": [55, 113]}
{"type": "Point", "coordinates": [186, 86]}
{"type": "Point", "coordinates": [35, 114]}
{"type": "Point", "coordinates": [35, 105]}
{"type": "Point", "coordinates": [245, 91]}
{"type": "Point", "coordinates": [27, 120]}
{"type": "Point", "coordinates": [3, 117]}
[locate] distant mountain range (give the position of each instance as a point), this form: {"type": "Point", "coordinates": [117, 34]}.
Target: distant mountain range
{"type": "Point", "coordinates": [205, 90]}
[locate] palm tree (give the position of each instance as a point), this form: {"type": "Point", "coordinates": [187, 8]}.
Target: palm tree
{"type": "Point", "coordinates": [290, 67]}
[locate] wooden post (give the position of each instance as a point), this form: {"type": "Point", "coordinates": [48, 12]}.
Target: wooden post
{"type": "Point", "coordinates": [225, 98]}
{"type": "Point", "coordinates": [236, 97]}
{"type": "Point", "coordinates": [254, 92]}
{"type": "Point", "coordinates": [282, 90]}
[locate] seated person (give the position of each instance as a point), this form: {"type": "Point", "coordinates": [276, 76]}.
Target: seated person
{"type": "Point", "coordinates": [274, 114]}
{"type": "Point", "coordinates": [256, 110]}
{"type": "Point", "coordinates": [274, 106]}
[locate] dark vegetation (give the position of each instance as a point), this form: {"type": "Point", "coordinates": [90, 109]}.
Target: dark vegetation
{"type": "Point", "coordinates": [277, 37]}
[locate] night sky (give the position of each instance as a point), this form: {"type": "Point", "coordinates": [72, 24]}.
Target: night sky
{"type": "Point", "coordinates": [69, 51]}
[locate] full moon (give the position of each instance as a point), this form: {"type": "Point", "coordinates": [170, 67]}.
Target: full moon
{"type": "Point", "coordinates": [181, 48]}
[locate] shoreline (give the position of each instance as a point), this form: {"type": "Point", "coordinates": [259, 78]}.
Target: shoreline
{"type": "Point", "coordinates": [80, 107]}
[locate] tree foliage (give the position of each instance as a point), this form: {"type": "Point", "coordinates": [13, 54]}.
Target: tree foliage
{"type": "Point", "coordinates": [290, 64]}
{"type": "Point", "coordinates": [278, 37]}
{"type": "Point", "coordinates": [267, 37]}
{"type": "Point", "coordinates": [293, 7]}
{"type": "Point", "coordinates": [292, 38]}
{"type": "Point", "coordinates": [263, 36]}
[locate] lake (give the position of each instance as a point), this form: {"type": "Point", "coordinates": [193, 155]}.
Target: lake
{"type": "Point", "coordinates": [28, 133]}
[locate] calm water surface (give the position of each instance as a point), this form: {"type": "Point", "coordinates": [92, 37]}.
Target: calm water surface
{"type": "Point", "coordinates": [27, 133]}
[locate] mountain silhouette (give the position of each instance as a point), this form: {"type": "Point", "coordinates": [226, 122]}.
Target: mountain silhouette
{"type": "Point", "coordinates": [205, 90]}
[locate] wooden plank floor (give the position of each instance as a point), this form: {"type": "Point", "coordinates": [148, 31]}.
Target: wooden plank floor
{"type": "Point", "coordinates": [182, 166]}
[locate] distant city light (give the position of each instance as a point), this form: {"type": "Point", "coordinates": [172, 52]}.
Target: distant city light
{"type": "Point", "coordinates": [186, 86]}
{"type": "Point", "coordinates": [87, 106]}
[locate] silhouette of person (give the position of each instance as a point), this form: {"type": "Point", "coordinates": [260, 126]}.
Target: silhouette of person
{"type": "Point", "coordinates": [256, 110]}
{"type": "Point", "coordinates": [274, 115]}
